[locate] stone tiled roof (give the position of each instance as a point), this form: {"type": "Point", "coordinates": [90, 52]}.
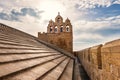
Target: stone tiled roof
{"type": "Point", "coordinates": [24, 57]}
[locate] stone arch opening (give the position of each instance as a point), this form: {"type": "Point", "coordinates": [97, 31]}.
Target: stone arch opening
{"type": "Point", "coordinates": [56, 29]}
{"type": "Point", "coordinates": [67, 29]}
{"type": "Point", "coordinates": [61, 29]}
{"type": "Point", "coordinates": [51, 28]}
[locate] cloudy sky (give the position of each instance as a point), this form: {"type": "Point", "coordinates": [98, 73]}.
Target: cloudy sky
{"type": "Point", "coordinates": [94, 21]}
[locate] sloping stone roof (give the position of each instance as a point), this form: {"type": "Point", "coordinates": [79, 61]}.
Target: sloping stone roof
{"type": "Point", "coordinates": [24, 57]}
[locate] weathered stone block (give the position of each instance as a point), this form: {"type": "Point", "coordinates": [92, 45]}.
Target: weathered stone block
{"type": "Point", "coordinates": [115, 49]}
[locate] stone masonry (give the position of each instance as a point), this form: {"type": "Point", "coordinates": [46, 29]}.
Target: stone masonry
{"type": "Point", "coordinates": [59, 33]}
{"type": "Point", "coordinates": [102, 62]}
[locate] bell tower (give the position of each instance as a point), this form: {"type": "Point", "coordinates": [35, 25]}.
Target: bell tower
{"type": "Point", "coordinates": [59, 33]}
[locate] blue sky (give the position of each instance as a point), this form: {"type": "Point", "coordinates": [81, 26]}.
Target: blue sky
{"type": "Point", "coordinates": [94, 21]}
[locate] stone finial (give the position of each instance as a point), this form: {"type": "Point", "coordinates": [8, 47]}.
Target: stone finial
{"type": "Point", "coordinates": [58, 13]}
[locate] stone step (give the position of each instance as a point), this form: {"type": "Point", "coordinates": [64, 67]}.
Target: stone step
{"type": "Point", "coordinates": [15, 32]}
{"type": "Point", "coordinates": [17, 44]}
{"type": "Point", "coordinates": [38, 71]}
{"type": "Point", "coordinates": [9, 46]}
{"type": "Point", "coordinates": [25, 45]}
{"type": "Point", "coordinates": [13, 37]}
{"type": "Point", "coordinates": [56, 71]}
{"type": "Point", "coordinates": [17, 39]}
{"type": "Point", "coordinates": [6, 69]}
{"type": "Point", "coordinates": [17, 57]}
{"type": "Point", "coordinates": [7, 34]}
{"type": "Point", "coordinates": [17, 35]}
{"type": "Point", "coordinates": [11, 40]}
{"type": "Point", "coordinates": [12, 51]}
{"type": "Point", "coordinates": [67, 75]}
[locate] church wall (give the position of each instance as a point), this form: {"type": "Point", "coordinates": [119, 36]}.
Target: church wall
{"type": "Point", "coordinates": [102, 62]}
{"type": "Point", "coordinates": [62, 40]}
{"type": "Point", "coordinates": [59, 33]}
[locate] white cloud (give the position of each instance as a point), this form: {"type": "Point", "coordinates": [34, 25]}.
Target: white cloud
{"type": "Point", "coordinates": [113, 21]}
{"type": "Point", "coordinates": [83, 4]}
{"type": "Point", "coordinates": [84, 25]}
{"type": "Point", "coordinates": [8, 5]}
{"type": "Point", "coordinates": [29, 24]}
{"type": "Point", "coordinates": [117, 2]}
{"type": "Point", "coordinates": [109, 18]}
{"type": "Point", "coordinates": [1, 9]}
{"type": "Point", "coordinates": [81, 44]}
{"type": "Point", "coordinates": [85, 35]}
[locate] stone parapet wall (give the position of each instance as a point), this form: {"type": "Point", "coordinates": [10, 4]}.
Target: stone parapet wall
{"type": "Point", "coordinates": [102, 62]}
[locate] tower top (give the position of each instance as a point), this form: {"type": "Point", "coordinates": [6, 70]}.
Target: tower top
{"type": "Point", "coordinates": [58, 18]}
